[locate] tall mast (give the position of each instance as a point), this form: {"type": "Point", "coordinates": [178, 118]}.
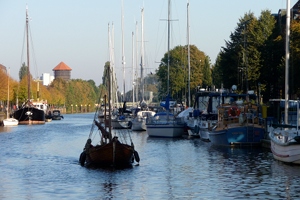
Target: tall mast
{"type": "Point", "coordinates": [287, 57]}
{"type": "Point", "coordinates": [142, 56]}
{"type": "Point", "coordinates": [113, 73]}
{"type": "Point", "coordinates": [189, 57]}
{"type": "Point", "coordinates": [123, 56]}
{"type": "Point", "coordinates": [110, 64]}
{"type": "Point", "coordinates": [27, 45]}
{"type": "Point", "coordinates": [136, 60]}
{"type": "Point", "coordinates": [7, 93]}
{"type": "Point", "coordinates": [169, 13]}
{"type": "Point", "coordinates": [132, 68]}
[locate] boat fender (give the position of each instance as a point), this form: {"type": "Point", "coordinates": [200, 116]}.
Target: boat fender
{"type": "Point", "coordinates": [82, 158]}
{"type": "Point", "coordinates": [196, 129]}
{"type": "Point", "coordinates": [234, 111]}
{"type": "Point", "coordinates": [136, 156]}
{"type": "Point", "coordinates": [129, 124]}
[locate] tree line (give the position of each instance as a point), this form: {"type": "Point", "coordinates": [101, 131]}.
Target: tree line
{"type": "Point", "coordinates": [60, 93]}
{"type": "Point", "coordinates": [252, 59]}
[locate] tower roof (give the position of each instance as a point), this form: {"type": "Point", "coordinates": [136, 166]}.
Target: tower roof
{"type": "Point", "coordinates": [62, 67]}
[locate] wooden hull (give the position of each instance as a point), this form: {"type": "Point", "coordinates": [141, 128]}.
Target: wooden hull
{"type": "Point", "coordinates": [30, 115]}
{"type": "Point", "coordinates": [111, 154]}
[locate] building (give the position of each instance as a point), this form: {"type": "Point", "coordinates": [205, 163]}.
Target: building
{"type": "Point", "coordinates": [3, 68]}
{"type": "Point", "coordinates": [62, 71]}
{"type": "Point", "coordinates": [47, 78]}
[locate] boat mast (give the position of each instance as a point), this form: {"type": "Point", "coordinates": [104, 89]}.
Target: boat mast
{"type": "Point", "coordinates": [142, 57]}
{"type": "Point", "coordinates": [287, 57]}
{"type": "Point", "coordinates": [109, 100]}
{"type": "Point", "coordinates": [7, 93]}
{"type": "Point", "coordinates": [110, 63]}
{"type": "Point", "coordinates": [169, 13]}
{"type": "Point", "coordinates": [27, 45]}
{"type": "Point", "coordinates": [189, 57]}
{"type": "Point", "coordinates": [123, 56]}
{"type": "Point", "coordinates": [132, 68]}
{"type": "Point", "coordinates": [136, 61]}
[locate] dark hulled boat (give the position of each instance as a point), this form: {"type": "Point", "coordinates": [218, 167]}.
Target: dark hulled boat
{"type": "Point", "coordinates": [113, 153]}
{"type": "Point", "coordinates": [30, 113]}
{"type": "Point", "coordinates": [110, 151]}
{"type": "Point", "coordinates": [56, 115]}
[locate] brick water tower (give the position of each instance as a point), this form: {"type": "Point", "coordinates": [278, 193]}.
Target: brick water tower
{"type": "Point", "coordinates": [62, 71]}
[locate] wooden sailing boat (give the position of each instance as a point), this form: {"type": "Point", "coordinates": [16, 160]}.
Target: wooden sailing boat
{"type": "Point", "coordinates": [285, 138]}
{"type": "Point", "coordinates": [110, 150]}
{"type": "Point", "coordinates": [30, 113]}
{"type": "Point", "coordinates": [9, 121]}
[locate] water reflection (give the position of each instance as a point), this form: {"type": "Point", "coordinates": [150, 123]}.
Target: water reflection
{"type": "Point", "coordinates": [41, 162]}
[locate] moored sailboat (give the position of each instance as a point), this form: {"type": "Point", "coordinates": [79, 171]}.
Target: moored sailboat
{"type": "Point", "coordinates": [285, 138]}
{"type": "Point", "coordinates": [9, 121]}
{"type": "Point", "coordinates": [165, 124]}
{"type": "Point", "coordinates": [29, 113]}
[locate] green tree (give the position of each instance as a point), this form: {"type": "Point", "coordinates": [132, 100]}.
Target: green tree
{"type": "Point", "coordinates": [207, 76]}
{"type": "Point", "coordinates": [23, 71]}
{"type": "Point", "coordinates": [242, 60]}
{"type": "Point", "coordinates": [295, 60]}
{"type": "Point", "coordinates": [178, 71]}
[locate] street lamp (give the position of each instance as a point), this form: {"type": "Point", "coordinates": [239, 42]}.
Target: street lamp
{"type": "Point", "coordinates": [72, 108]}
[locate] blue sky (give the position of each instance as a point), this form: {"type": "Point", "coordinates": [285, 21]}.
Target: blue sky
{"type": "Point", "coordinates": [76, 31]}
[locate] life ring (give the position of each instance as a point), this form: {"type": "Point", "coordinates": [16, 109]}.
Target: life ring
{"type": "Point", "coordinates": [234, 111]}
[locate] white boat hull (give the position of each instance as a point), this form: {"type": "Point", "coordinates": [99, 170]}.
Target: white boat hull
{"type": "Point", "coordinates": [138, 125]}
{"type": "Point", "coordinates": [10, 122]}
{"type": "Point", "coordinates": [165, 130]}
{"type": "Point", "coordinates": [284, 147]}
{"type": "Point", "coordinates": [204, 134]}
{"type": "Point", "coordinates": [288, 154]}
{"type": "Point", "coordinates": [139, 121]}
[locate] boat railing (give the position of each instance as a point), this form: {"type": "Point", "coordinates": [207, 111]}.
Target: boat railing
{"type": "Point", "coordinates": [249, 118]}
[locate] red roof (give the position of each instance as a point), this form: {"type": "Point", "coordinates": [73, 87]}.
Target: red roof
{"type": "Point", "coordinates": [62, 67]}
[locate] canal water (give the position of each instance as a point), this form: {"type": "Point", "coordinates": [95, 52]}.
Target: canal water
{"type": "Point", "coordinates": [41, 162]}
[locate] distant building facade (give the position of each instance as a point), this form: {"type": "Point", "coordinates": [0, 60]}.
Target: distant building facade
{"type": "Point", "coordinates": [3, 68]}
{"type": "Point", "coordinates": [47, 78]}
{"type": "Point", "coordinates": [62, 71]}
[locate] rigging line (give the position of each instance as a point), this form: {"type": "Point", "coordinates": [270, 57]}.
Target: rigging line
{"type": "Point", "coordinates": [33, 52]}
{"type": "Point", "coordinates": [162, 11]}
{"type": "Point", "coordinates": [161, 42]}
{"type": "Point", "coordinates": [96, 113]}
{"type": "Point", "coordinates": [178, 32]}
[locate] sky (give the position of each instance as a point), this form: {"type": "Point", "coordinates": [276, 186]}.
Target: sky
{"type": "Point", "coordinates": [76, 32]}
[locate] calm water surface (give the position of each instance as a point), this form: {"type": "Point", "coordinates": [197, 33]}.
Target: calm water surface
{"type": "Point", "coordinates": [41, 162]}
